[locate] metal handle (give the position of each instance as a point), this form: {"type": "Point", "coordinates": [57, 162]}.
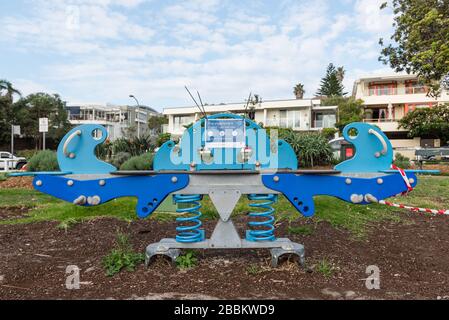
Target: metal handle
{"type": "Point", "coordinates": [66, 144]}
{"type": "Point", "coordinates": [382, 140]}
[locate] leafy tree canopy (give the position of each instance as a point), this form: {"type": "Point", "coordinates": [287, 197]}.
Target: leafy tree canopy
{"type": "Point", "coordinates": [43, 105]}
{"type": "Point", "coordinates": [331, 85]}
{"type": "Point", "coordinates": [419, 43]}
{"type": "Point", "coordinates": [428, 122]}
{"type": "Point", "coordinates": [349, 110]}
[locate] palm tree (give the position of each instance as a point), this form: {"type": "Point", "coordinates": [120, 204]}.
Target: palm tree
{"type": "Point", "coordinates": [340, 74]}
{"type": "Point", "coordinates": [299, 91]}
{"type": "Point", "coordinates": [10, 90]}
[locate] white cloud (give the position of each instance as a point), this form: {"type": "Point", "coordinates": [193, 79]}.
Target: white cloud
{"type": "Point", "coordinates": [370, 18]}
{"type": "Point", "coordinates": [102, 53]}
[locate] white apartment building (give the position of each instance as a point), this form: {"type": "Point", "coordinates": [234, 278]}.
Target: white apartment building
{"type": "Point", "coordinates": [299, 115]}
{"type": "Point", "coordinates": [387, 98]}
{"type": "Point", "coordinates": [116, 119]}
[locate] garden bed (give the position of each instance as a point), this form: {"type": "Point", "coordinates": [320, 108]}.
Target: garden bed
{"type": "Point", "coordinates": [411, 255]}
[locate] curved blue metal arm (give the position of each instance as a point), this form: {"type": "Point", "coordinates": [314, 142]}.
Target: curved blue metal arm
{"type": "Point", "coordinates": [373, 150]}
{"type": "Point", "coordinates": [300, 189]}
{"type": "Point", "coordinates": [76, 151]}
{"type": "Point", "coordinates": [150, 190]}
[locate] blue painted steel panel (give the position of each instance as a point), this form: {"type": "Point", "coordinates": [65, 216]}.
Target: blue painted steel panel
{"type": "Point", "coordinates": [170, 157]}
{"type": "Point", "coordinates": [300, 189]}
{"type": "Point", "coordinates": [83, 147]}
{"type": "Point", "coordinates": [367, 145]}
{"type": "Point", "coordinates": [150, 190]}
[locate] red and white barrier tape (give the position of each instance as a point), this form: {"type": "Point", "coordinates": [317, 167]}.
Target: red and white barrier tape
{"type": "Point", "coordinates": [414, 209]}
{"type": "Point", "coordinates": [402, 206]}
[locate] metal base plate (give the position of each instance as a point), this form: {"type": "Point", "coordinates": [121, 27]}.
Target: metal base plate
{"type": "Point", "coordinates": [171, 248]}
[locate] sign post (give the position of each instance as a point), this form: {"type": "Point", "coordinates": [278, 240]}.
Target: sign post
{"type": "Point", "coordinates": [43, 127]}
{"type": "Point", "coordinates": [15, 130]}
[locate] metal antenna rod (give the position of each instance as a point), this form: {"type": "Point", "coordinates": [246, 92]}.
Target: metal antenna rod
{"type": "Point", "coordinates": [201, 101]}
{"type": "Point", "coordinates": [202, 112]}
{"type": "Point", "coordinates": [247, 103]}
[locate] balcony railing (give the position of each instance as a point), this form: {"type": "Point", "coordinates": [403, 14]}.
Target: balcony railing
{"type": "Point", "coordinates": [379, 120]}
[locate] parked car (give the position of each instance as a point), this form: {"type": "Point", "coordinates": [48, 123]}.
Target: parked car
{"type": "Point", "coordinates": [14, 162]}
{"type": "Point", "coordinates": [427, 154]}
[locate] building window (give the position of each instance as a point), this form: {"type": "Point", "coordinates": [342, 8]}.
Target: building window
{"type": "Point", "coordinates": [382, 89]}
{"type": "Point", "coordinates": [325, 120]}
{"type": "Point", "coordinates": [180, 121]}
{"type": "Point", "coordinates": [413, 87]}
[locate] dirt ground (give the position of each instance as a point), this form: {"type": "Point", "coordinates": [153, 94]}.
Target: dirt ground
{"type": "Point", "coordinates": [412, 257]}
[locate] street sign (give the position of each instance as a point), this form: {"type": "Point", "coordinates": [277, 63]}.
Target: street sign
{"type": "Point", "coordinates": [16, 130]}
{"type": "Point", "coordinates": [43, 124]}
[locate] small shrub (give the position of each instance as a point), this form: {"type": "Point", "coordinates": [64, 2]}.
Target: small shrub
{"type": "Point", "coordinates": [187, 261]}
{"type": "Point", "coordinates": [43, 161]}
{"type": "Point", "coordinates": [120, 158]}
{"type": "Point", "coordinates": [163, 138]}
{"type": "Point", "coordinates": [401, 161]}
{"type": "Point", "coordinates": [122, 257]}
{"type": "Point", "coordinates": [27, 153]}
{"type": "Point", "coordinates": [142, 162]}
{"type": "Point", "coordinates": [329, 133]}
{"type": "Point", "coordinates": [3, 177]}
{"type": "Point", "coordinates": [311, 148]}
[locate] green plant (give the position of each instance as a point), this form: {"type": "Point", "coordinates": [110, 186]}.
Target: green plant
{"type": "Point", "coordinates": [120, 158]}
{"type": "Point", "coordinates": [43, 161]}
{"type": "Point", "coordinates": [401, 161]}
{"type": "Point", "coordinates": [325, 267]}
{"type": "Point", "coordinates": [253, 270]}
{"type": "Point", "coordinates": [142, 162]}
{"type": "Point", "coordinates": [66, 224]}
{"type": "Point", "coordinates": [163, 138]}
{"type": "Point", "coordinates": [303, 230]}
{"type": "Point", "coordinates": [187, 260]}
{"type": "Point", "coordinates": [329, 133]}
{"type": "Point", "coordinates": [3, 177]}
{"type": "Point", "coordinates": [122, 257]}
{"type": "Point", "coordinates": [27, 153]}
{"type": "Point", "coordinates": [310, 148]}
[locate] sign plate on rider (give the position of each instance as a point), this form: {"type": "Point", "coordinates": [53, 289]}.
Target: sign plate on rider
{"type": "Point", "coordinates": [225, 133]}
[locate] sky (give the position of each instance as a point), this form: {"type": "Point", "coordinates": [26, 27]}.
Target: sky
{"type": "Point", "coordinates": [101, 51]}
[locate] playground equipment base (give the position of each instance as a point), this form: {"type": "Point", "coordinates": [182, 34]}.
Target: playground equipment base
{"type": "Point", "coordinates": [172, 249]}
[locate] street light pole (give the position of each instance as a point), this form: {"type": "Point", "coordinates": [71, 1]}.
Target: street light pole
{"type": "Point", "coordinates": [137, 114]}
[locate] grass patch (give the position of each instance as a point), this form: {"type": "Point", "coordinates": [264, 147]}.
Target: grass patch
{"type": "Point", "coordinates": [122, 257]}
{"type": "Point", "coordinates": [302, 230]}
{"type": "Point", "coordinates": [432, 192]}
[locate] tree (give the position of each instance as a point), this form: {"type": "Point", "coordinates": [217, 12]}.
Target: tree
{"type": "Point", "coordinates": [155, 123]}
{"type": "Point", "coordinates": [7, 90]}
{"type": "Point", "coordinates": [349, 110]}
{"type": "Point", "coordinates": [420, 41]}
{"type": "Point", "coordinates": [299, 91]}
{"type": "Point", "coordinates": [43, 105]}
{"type": "Point", "coordinates": [9, 113]}
{"type": "Point", "coordinates": [341, 74]}
{"type": "Point", "coordinates": [428, 122]}
{"type": "Point", "coordinates": [330, 84]}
